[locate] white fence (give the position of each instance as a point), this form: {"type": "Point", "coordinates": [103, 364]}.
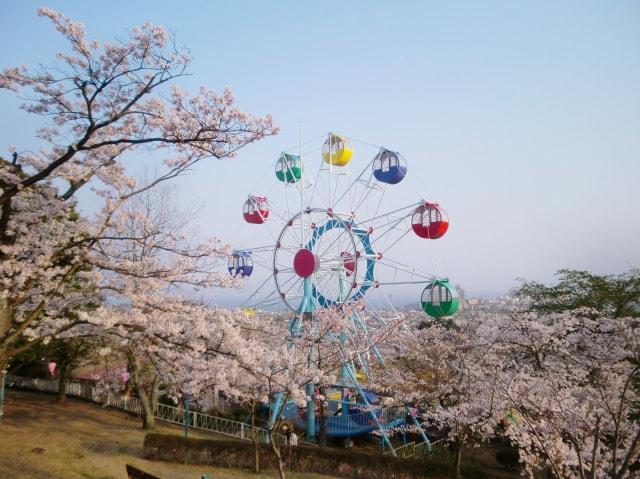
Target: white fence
{"type": "Point", "coordinates": [164, 412]}
{"type": "Point", "coordinates": [416, 450]}
{"type": "Point", "coordinates": [176, 415]}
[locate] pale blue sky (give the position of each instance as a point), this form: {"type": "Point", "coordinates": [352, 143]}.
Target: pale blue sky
{"type": "Point", "coordinates": [521, 118]}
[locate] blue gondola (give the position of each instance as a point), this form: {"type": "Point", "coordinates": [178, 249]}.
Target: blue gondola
{"type": "Point", "coordinates": [241, 264]}
{"type": "Point", "coordinates": [389, 167]}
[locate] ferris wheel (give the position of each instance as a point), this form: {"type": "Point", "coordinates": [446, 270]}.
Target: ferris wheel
{"type": "Point", "coordinates": [330, 234]}
{"type": "Point", "coordinates": [330, 238]}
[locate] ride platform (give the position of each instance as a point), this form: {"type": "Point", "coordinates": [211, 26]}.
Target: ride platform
{"type": "Point", "coordinates": [356, 421]}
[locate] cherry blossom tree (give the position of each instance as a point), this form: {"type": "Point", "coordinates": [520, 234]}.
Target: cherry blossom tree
{"type": "Point", "coordinates": [150, 264]}
{"type": "Point", "coordinates": [440, 369]}
{"type": "Point", "coordinates": [564, 388]}
{"type": "Point", "coordinates": [573, 382]}
{"type": "Point", "coordinates": [294, 360]}
{"type": "Point", "coordinates": [105, 104]}
{"type": "Point", "coordinates": [177, 348]}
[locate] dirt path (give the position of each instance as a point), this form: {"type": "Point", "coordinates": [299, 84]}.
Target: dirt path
{"type": "Point", "coordinates": [41, 439]}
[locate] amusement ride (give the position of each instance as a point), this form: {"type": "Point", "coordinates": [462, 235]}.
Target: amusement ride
{"type": "Point", "coordinates": [329, 242]}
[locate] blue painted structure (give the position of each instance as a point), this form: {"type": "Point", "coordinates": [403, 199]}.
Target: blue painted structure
{"type": "Point", "coordinates": [356, 422]}
{"type": "Point", "coordinates": [345, 418]}
{"type": "Point", "coordinates": [363, 236]}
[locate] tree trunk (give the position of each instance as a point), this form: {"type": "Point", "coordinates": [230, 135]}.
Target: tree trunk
{"type": "Point", "coordinates": [148, 419]}
{"type": "Point", "coordinates": [596, 447]}
{"type": "Point", "coordinates": [254, 441]}
{"type": "Point", "coordinates": [6, 317]}
{"type": "Point", "coordinates": [458, 460]}
{"type": "Point", "coordinates": [256, 456]}
{"type": "Point", "coordinates": [324, 420]}
{"type": "Point", "coordinates": [149, 402]}
{"type": "Point", "coordinates": [276, 452]}
{"type": "Point", "coordinates": [148, 399]}
{"type": "Point", "coordinates": [62, 383]}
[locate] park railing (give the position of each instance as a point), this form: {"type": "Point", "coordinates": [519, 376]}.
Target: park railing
{"type": "Point", "coordinates": [415, 450]}
{"type": "Point", "coordinates": [163, 412]}
{"type": "Point", "coordinates": [389, 417]}
{"type": "Point", "coordinates": [220, 425]}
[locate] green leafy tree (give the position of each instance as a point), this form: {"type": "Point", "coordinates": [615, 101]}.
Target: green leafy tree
{"type": "Point", "coordinates": [615, 295]}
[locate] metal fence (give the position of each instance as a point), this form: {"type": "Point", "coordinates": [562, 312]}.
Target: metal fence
{"type": "Point", "coordinates": [198, 420]}
{"type": "Point", "coordinates": [415, 450]}
{"type": "Point", "coordinates": [163, 412]}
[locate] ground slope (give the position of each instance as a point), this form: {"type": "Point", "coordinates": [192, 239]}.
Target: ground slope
{"type": "Point", "coordinates": [42, 439]}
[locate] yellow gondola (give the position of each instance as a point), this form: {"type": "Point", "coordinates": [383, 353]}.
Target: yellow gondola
{"type": "Point", "coordinates": [336, 150]}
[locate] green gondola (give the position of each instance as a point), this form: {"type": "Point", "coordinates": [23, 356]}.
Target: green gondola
{"type": "Point", "coordinates": [289, 168]}
{"type": "Point", "coordinates": [440, 299]}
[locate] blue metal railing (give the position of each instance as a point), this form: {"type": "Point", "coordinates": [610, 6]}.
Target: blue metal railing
{"type": "Point", "coordinates": [356, 422]}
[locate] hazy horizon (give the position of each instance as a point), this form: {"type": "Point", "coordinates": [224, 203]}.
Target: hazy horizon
{"type": "Point", "coordinates": [521, 119]}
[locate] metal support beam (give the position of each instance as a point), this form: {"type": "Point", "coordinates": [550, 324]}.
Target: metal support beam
{"type": "Point", "coordinates": [385, 439]}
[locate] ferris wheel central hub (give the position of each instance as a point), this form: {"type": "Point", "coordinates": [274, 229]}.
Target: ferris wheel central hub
{"type": "Point", "coordinates": [305, 263]}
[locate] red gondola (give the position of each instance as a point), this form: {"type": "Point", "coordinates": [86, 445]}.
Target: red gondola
{"type": "Point", "coordinates": [256, 210]}
{"type": "Point", "coordinates": [430, 221]}
{"type": "Point", "coordinates": [349, 262]}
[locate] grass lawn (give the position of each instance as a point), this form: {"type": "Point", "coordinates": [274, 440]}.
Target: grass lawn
{"type": "Point", "coordinates": [41, 439]}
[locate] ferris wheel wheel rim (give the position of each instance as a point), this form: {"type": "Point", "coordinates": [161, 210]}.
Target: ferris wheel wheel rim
{"type": "Point", "coordinates": [290, 225]}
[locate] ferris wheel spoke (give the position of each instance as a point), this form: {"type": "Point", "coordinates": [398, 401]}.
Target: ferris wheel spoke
{"type": "Point", "coordinates": [399, 210]}
{"type": "Point", "coordinates": [282, 218]}
{"type": "Point", "coordinates": [257, 290]}
{"type": "Point", "coordinates": [391, 228]}
{"type": "Point", "coordinates": [331, 281]}
{"type": "Point", "coordinates": [287, 281]}
{"type": "Point", "coordinates": [318, 244]}
{"type": "Point", "coordinates": [358, 178]}
{"type": "Point", "coordinates": [364, 194]}
{"type": "Point", "coordinates": [283, 264]}
{"type": "Point", "coordinates": [315, 183]}
{"type": "Point", "coordinates": [394, 232]}
{"type": "Point", "coordinates": [286, 292]}
{"type": "Point", "coordinates": [337, 175]}
{"type": "Point", "coordinates": [267, 303]}
{"type": "Point", "coordinates": [293, 299]}
{"type": "Point", "coordinates": [388, 304]}
{"type": "Point", "coordinates": [319, 281]}
{"type": "Point", "coordinates": [412, 273]}
{"type": "Point", "coordinates": [281, 285]}
{"type": "Point", "coordinates": [398, 265]}
{"type": "Point", "coordinates": [259, 249]}
{"type": "Point", "coordinates": [321, 285]}
{"type": "Point", "coordinates": [388, 246]}
{"type": "Point", "coordinates": [326, 202]}
{"type": "Point", "coordinates": [340, 235]}
{"type": "Point", "coordinates": [263, 264]}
